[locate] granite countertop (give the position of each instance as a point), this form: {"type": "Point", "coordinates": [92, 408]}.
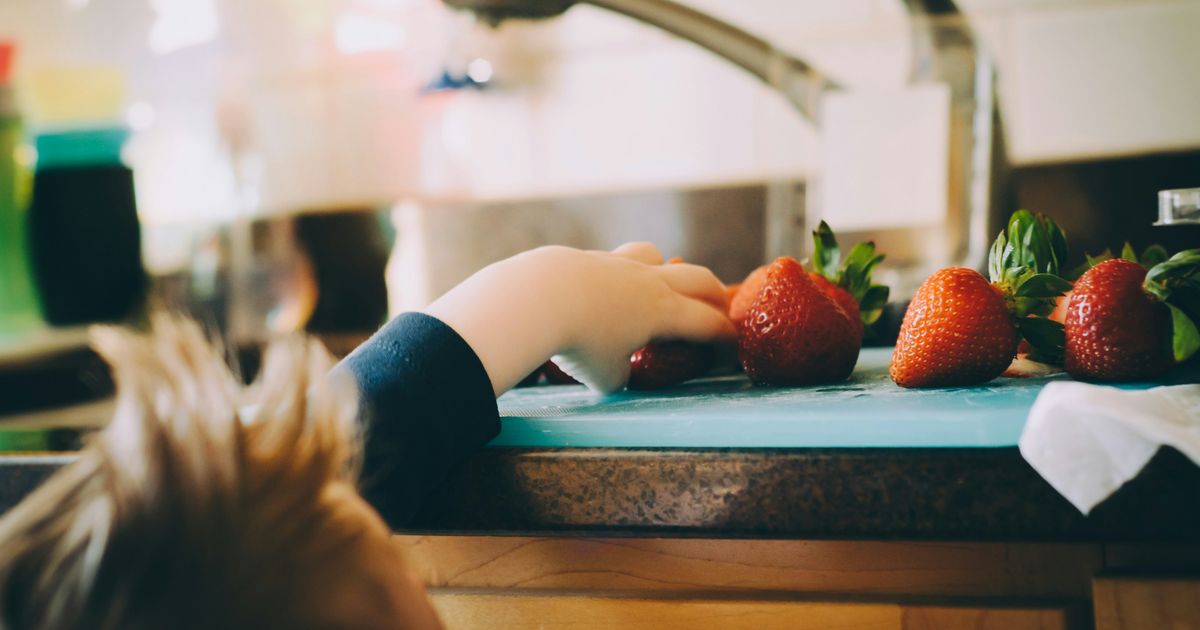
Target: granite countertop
{"type": "Point", "coordinates": [968, 494]}
{"type": "Point", "coordinates": [889, 493]}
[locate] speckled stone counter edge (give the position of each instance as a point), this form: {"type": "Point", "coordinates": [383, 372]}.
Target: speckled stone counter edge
{"type": "Point", "coordinates": [878, 494]}
{"type": "Point", "coordinates": [910, 494]}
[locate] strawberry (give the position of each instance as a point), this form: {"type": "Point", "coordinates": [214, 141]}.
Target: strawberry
{"type": "Point", "coordinates": [666, 363]}
{"type": "Point", "coordinates": [961, 329]}
{"type": "Point", "coordinates": [957, 331]}
{"type": "Point", "coordinates": [746, 293]}
{"type": "Point", "coordinates": [848, 282]}
{"type": "Point", "coordinates": [1125, 323]}
{"type": "Point", "coordinates": [794, 333]}
{"type": "Point", "coordinates": [841, 297]}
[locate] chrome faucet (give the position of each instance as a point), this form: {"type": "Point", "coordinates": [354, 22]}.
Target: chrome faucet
{"type": "Point", "coordinates": [795, 79]}
{"type": "Point", "coordinates": [978, 199]}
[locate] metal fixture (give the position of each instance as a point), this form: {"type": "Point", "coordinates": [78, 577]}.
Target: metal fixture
{"type": "Point", "coordinates": [944, 51]}
{"type": "Point", "coordinates": [799, 82]}
{"type": "Point", "coordinates": [1180, 206]}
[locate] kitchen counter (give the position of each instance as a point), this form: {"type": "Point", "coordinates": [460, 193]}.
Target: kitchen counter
{"type": "Point", "coordinates": [858, 460]}
{"type": "Point", "coordinates": [722, 504]}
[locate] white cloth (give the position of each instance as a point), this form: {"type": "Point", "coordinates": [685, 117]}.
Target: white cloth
{"type": "Point", "coordinates": [1088, 440]}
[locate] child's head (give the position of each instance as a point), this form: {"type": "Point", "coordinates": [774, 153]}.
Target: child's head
{"type": "Point", "coordinates": [189, 511]}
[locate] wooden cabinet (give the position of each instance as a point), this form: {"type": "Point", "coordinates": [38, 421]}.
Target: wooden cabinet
{"type": "Point", "coordinates": [1133, 602]}
{"type": "Point", "coordinates": [516, 609]}
{"type": "Point", "coordinates": [501, 582]}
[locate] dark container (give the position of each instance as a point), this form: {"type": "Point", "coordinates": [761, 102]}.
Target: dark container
{"type": "Point", "coordinates": [85, 242]}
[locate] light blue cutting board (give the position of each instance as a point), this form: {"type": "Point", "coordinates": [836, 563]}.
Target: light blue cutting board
{"type": "Point", "coordinates": [868, 410]}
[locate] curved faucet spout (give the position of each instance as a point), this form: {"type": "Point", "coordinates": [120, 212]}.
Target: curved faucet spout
{"type": "Point", "coordinates": [796, 80]}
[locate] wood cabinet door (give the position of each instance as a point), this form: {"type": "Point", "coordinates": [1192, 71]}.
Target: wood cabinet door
{"type": "Point", "coordinates": [1146, 602]}
{"type": "Point", "coordinates": [514, 609]}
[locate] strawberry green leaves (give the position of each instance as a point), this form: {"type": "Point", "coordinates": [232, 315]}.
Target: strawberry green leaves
{"type": "Point", "coordinates": [1032, 244]}
{"type": "Point", "coordinates": [1150, 257]}
{"type": "Point", "coordinates": [1047, 338]}
{"type": "Point", "coordinates": [1043, 285]}
{"type": "Point", "coordinates": [826, 255]}
{"type": "Point", "coordinates": [1035, 294]}
{"type": "Point", "coordinates": [872, 303]}
{"type": "Point", "coordinates": [1185, 339]}
{"type": "Point", "coordinates": [1154, 255]}
{"type": "Point", "coordinates": [1025, 262]}
{"type": "Point", "coordinates": [1127, 253]}
{"type": "Point", "coordinates": [1176, 282]}
{"type": "Point", "coordinates": [853, 274]}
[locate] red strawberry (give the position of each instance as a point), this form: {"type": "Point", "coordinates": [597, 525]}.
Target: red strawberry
{"type": "Point", "coordinates": [1116, 331]}
{"type": "Point", "coordinates": [961, 329]}
{"type": "Point", "coordinates": [841, 297]}
{"type": "Point", "coordinates": [666, 363]}
{"type": "Point", "coordinates": [794, 333]}
{"type": "Point", "coordinates": [957, 331]}
{"type": "Point", "coordinates": [747, 292]}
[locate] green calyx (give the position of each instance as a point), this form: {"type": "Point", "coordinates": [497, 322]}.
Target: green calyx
{"type": "Point", "coordinates": [1176, 282]}
{"type": "Point", "coordinates": [852, 274]}
{"type": "Point", "coordinates": [1025, 262]}
{"type": "Point", "coordinates": [1149, 257]}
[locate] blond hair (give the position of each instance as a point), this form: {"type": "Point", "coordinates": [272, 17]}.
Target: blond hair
{"type": "Point", "coordinates": [189, 511]}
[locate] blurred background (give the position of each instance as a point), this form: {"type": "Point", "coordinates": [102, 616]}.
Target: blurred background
{"type": "Point", "coordinates": [270, 165]}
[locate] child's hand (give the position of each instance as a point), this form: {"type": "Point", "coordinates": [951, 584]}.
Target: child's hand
{"type": "Point", "coordinates": [590, 309]}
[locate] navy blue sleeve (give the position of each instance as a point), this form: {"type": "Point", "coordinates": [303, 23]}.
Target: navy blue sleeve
{"type": "Point", "coordinates": [427, 403]}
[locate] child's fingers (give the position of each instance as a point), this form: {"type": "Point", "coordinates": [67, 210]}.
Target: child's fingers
{"type": "Point", "coordinates": [698, 321]}
{"type": "Point", "coordinates": [611, 378]}
{"type": "Point", "coordinates": [696, 282]}
{"type": "Point", "coordinates": [604, 374]}
{"type": "Point", "coordinates": [642, 252]}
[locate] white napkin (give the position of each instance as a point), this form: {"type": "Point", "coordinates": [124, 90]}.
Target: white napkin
{"type": "Point", "coordinates": [1088, 440]}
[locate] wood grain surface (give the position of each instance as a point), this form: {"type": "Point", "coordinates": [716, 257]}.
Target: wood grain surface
{"type": "Point", "coordinates": [494, 611]}
{"type": "Point", "coordinates": [673, 564]}
{"type": "Point", "coordinates": [1147, 602]}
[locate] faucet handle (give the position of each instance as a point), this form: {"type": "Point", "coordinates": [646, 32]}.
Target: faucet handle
{"type": "Point", "coordinates": [1179, 206]}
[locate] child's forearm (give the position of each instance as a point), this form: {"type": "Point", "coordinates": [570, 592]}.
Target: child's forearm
{"type": "Point", "coordinates": [593, 309]}
{"type": "Point", "coordinates": [499, 314]}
